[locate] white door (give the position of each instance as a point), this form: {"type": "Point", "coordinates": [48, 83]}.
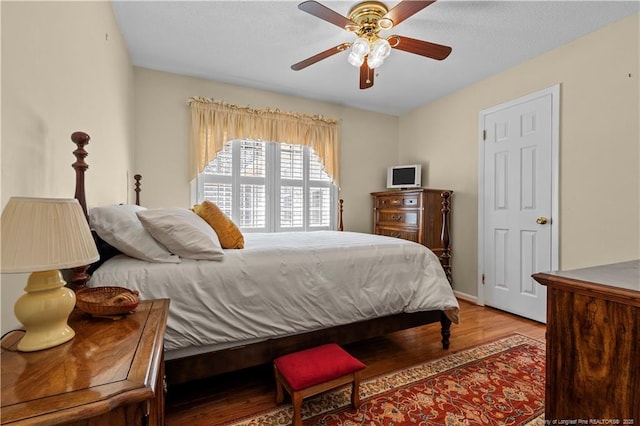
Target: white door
{"type": "Point", "coordinates": [518, 186]}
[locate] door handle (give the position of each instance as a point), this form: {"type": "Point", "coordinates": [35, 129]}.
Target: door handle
{"type": "Point", "coordinates": [542, 220]}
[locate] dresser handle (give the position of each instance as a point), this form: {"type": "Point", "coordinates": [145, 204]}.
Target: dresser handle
{"type": "Point", "coordinates": [395, 202]}
{"type": "Point", "coordinates": [395, 234]}
{"type": "Point", "coordinates": [396, 218]}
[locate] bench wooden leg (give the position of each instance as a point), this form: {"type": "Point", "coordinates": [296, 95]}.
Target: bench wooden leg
{"type": "Point", "coordinates": [297, 408]}
{"type": "Point", "coordinates": [355, 390]}
{"type": "Point", "coordinates": [279, 390]}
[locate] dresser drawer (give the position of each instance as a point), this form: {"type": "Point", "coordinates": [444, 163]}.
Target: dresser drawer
{"type": "Point", "coordinates": [398, 217]}
{"type": "Point", "coordinates": [405, 234]}
{"type": "Point", "coordinates": [399, 200]}
{"type": "Point", "coordinates": [420, 215]}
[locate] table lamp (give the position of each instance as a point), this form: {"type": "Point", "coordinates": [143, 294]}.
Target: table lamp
{"type": "Point", "coordinates": [42, 236]}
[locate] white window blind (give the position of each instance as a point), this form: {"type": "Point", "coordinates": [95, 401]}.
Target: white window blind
{"type": "Point", "coordinates": [270, 187]}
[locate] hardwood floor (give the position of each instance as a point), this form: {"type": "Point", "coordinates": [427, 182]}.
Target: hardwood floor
{"type": "Point", "coordinates": [235, 395]}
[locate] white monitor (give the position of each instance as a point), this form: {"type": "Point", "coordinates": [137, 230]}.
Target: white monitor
{"type": "Point", "coordinates": [409, 176]}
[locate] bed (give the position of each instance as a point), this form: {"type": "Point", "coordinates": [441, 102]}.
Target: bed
{"type": "Point", "coordinates": [282, 292]}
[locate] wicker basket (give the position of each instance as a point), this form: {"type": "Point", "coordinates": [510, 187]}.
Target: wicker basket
{"type": "Point", "coordinates": [107, 301]}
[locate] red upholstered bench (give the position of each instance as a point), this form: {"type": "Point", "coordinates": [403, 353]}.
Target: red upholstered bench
{"type": "Point", "coordinates": [313, 371]}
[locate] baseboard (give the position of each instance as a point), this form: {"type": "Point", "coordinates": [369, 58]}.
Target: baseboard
{"type": "Point", "coordinates": [466, 297]}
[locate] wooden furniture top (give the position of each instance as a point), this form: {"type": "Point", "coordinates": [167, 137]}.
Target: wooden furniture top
{"type": "Point", "coordinates": [399, 191]}
{"type": "Point", "coordinates": [618, 282]}
{"type": "Point", "coordinates": [109, 363]}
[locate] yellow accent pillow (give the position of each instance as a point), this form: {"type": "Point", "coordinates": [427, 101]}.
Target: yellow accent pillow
{"type": "Point", "coordinates": [228, 233]}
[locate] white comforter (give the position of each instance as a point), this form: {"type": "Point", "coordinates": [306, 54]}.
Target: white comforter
{"type": "Point", "coordinates": [286, 283]}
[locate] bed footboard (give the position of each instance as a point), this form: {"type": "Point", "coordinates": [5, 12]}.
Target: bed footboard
{"type": "Point", "coordinates": [204, 365]}
{"type": "Point", "coordinates": [445, 257]}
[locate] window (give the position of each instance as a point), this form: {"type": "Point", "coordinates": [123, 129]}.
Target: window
{"type": "Point", "coordinates": [270, 187]}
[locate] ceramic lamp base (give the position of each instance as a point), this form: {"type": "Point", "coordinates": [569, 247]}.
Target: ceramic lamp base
{"type": "Point", "coordinates": [44, 311]}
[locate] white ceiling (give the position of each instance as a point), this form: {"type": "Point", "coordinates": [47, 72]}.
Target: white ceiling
{"type": "Point", "coordinates": [254, 43]}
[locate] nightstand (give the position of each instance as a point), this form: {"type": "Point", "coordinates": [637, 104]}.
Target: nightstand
{"type": "Point", "coordinates": [110, 373]}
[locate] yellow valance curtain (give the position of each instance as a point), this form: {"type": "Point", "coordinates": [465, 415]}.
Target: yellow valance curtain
{"type": "Point", "coordinates": [213, 123]}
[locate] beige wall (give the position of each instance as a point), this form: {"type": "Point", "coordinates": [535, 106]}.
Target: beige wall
{"type": "Point", "coordinates": [599, 147]}
{"type": "Point", "coordinates": [64, 68]}
{"type": "Point", "coordinates": [368, 140]}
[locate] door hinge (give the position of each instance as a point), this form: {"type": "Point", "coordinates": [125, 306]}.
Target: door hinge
{"type": "Point", "coordinates": [484, 135]}
{"type": "Point", "coordinates": [482, 279]}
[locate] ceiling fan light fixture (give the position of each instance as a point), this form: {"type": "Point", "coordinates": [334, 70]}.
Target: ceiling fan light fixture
{"type": "Point", "coordinates": [360, 47]}
{"type": "Point", "coordinates": [355, 60]}
{"type": "Point", "coordinates": [381, 49]}
{"type": "Point", "coordinates": [374, 61]}
{"type": "Point", "coordinates": [366, 20]}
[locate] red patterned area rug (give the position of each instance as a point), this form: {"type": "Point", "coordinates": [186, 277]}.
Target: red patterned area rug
{"type": "Point", "coordinates": [499, 383]}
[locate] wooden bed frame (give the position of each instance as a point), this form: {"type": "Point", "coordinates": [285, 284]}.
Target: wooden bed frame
{"type": "Point", "coordinates": [204, 365]}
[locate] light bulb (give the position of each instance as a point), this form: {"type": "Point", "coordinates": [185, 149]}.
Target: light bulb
{"type": "Point", "coordinates": [360, 47]}
{"type": "Point", "coordinates": [355, 59]}
{"type": "Point", "coordinates": [381, 48]}
{"type": "Point", "coordinates": [374, 61]}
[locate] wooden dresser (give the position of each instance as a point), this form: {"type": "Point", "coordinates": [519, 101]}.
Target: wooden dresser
{"type": "Point", "coordinates": [110, 373]}
{"type": "Point", "coordinates": [593, 344]}
{"type": "Point", "coordinates": [414, 215]}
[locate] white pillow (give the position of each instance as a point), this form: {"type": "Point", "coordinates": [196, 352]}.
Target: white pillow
{"type": "Point", "coordinates": [119, 226]}
{"type": "Point", "coordinates": [182, 232]}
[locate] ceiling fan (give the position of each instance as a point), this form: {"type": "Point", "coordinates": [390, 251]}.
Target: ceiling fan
{"type": "Point", "coordinates": [366, 20]}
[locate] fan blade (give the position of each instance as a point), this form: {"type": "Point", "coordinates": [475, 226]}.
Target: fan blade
{"type": "Point", "coordinates": [406, 9]}
{"type": "Point", "coordinates": [323, 12]}
{"type": "Point", "coordinates": [419, 47]}
{"type": "Point", "coordinates": [320, 56]}
{"type": "Point", "coordinates": [366, 76]}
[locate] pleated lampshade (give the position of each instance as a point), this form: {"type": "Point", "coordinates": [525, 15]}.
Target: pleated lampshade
{"type": "Point", "coordinates": [41, 234]}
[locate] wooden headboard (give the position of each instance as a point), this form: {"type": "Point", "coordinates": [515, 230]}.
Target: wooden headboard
{"type": "Point", "coordinates": [79, 276]}
{"type": "Point", "coordinates": [81, 139]}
